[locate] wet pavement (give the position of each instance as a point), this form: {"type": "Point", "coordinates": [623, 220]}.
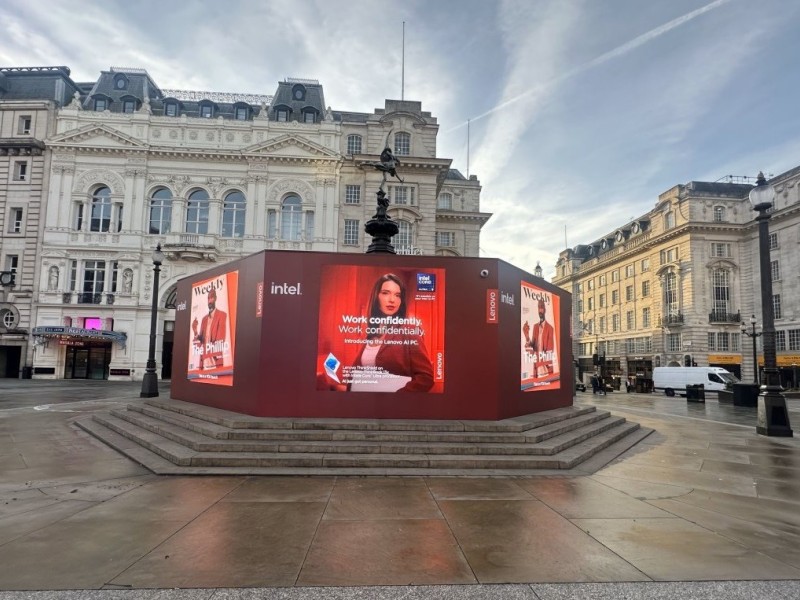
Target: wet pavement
{"type": "Point", "coordinates": [703, 508]}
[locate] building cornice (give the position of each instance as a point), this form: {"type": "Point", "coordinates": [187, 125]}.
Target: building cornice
{"type": "Point", "coordinates": [463, 216]}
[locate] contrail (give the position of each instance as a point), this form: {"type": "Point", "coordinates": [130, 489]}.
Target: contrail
{"type": "Point", "coordinates": [605, 57]}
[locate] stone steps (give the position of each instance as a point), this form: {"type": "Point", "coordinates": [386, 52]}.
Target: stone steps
{"type": "Point", "coordinates": [169, 436]}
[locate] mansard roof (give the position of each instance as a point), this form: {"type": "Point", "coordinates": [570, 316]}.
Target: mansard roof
{"type": "Point", "coordinates": [37, 83]}
{"type": "Point", "coordinates": [719, 189]}
{"type": "Point", "coordinates": [455, 174]}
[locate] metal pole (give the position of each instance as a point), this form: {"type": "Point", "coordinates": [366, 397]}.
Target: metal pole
{"type": "Point", "coordinates": [755, 357]}
{"type": "Point", "coordinates": [150, 379]}
{"type": "Point", "coordinates": [773, 417]}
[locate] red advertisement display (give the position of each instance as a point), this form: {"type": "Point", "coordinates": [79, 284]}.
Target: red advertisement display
{"type": "Point", "coordinates": [540, 334]}
{"type": "Point", "coordinates": [212, 335]}
{"type": "Point", "coordinates": [381, 329]}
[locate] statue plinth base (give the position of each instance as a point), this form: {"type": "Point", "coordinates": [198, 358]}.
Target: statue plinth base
{"type": "Point", "coordinates": [382, 228]}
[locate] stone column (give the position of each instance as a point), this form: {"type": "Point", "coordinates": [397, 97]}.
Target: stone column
{"type": "Point", "coordinates": [214, 216]}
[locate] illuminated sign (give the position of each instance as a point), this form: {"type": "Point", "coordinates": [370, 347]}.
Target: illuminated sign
{"type": "Point", "coordinates": [491, 306]}
{"type": "Point", "coordinates": [381, 329]}
{"type": "Point", "coordinates": [212, 335]}
{"type": "Point", "coordinates": [540, 328]}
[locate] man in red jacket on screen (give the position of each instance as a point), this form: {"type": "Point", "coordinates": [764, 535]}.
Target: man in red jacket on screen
{"type": "Point", "coordinates": [211, 336]}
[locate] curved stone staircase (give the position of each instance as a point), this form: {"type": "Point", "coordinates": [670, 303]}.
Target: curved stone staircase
{"type": "Point", "coordinates": [174, 437]}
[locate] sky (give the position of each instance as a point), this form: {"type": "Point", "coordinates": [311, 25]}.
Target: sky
{"type": "Point", "coordinates": [581, 112]}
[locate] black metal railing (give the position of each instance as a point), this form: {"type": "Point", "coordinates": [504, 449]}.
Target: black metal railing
{"type": "Point", "coordinates": [672, 319]}
{"type": "Point", "coordinates": [89, 298]}
{"type": "Point", "coordinates": [717, 316]}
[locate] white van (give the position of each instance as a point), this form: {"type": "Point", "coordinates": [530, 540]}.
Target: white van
{"type": "Point", "coordinates": [675, 379]}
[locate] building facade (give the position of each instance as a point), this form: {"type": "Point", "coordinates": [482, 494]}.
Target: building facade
{"type": "Point", "coordinates": [674, 286]}
{"type": "Point", "coordinates": [29, 98]}
{"type": "Point", "coordinates": [211, 177]}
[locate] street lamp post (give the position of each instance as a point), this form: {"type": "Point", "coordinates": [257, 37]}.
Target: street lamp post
{"type": "Point", "coordinates": [754, 335]}
{"type": "Point", "coordinates": [150, 379]}
{"type": "Point", "coordinates": [773, 418]}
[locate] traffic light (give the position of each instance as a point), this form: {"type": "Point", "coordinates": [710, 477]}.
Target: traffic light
{"type": "Point", "coordinates": [687, 360]}
{"type": "Point", "coordinates": [595, 359]}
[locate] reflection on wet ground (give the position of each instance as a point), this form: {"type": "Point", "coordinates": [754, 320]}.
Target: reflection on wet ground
{"type": "Point", "coordinates": [703, 498]}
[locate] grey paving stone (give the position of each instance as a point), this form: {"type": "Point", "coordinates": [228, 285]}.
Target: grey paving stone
{"type": "Point", "coordinates": [686, 590]}
{"type": "Point", "coordinates": [437, 592]}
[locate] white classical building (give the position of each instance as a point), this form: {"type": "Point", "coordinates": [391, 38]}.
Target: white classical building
{"type": "Point", "coordinates": [212, 177]}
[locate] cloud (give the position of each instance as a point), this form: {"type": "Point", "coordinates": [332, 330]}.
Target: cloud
{"type": "Point", "coordinates": [536, 38]}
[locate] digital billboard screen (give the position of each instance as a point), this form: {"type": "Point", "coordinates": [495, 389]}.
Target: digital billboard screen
{"type": "Point", "coordinates": [212, 335]}
{"type": "Point", "coordinates": [540, 331]}
{"type": "Point", "coordinates": [381, 329]}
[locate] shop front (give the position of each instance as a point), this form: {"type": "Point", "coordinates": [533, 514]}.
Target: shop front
{"type": "Point", "coordinates": [730, 362]}
{"type": "Point", "coordinates": [87, 360]}
{"type": "Point", "coordinates": [788, 367]}
{"type": "Point", "coordinates": [87, 352]}
{"type": "Point", "coordinates": [640, 373]}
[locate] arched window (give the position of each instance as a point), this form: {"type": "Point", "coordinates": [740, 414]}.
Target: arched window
{"type": "Point", "coordinates": [404, 237]}
{"type": "Point", "coordinates": [402, 143]}
{"type": "Point", "coordinates": [354, 144]}
{"type": "Point", "coordinates": [206, 109]}
{"type": "Point", "coordinates": [445, 202]}
{"type": "Point", "coordinates": [101, 103]}
{"type": "Point", "coordinates": [719, 214]}
{"type": "Point", "coordinates": [197, 212]}
{"type": "Point", "coordinates": [670, 294]}
{"type": "Point", "coordinates": [291, 217]}
{"type": "Point", "coordinates": [241, 111]}
{"type": "Point", "coordinates": [233, 212]}
{"type": "Point", "coordinates": [669, 220]}
{"type": "Point", "coordinates": [101, 210]}
{"type": "Point", "coordinates": [171, 108]}
{"type": "Point", "coordinates": [160, 211]}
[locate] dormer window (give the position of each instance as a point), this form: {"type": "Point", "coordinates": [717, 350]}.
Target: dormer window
{"type": "Point", "coordinates": [619, 236]}
{"type": "Point", "coordinates": [282, 115]}
{"type": "Point", "coordinates": [128, 106]}
{"type": "Point", "coordinates": [100, 104]}
{"type": "Point", "coordinates": [604, 245]}
{"type": "Point", "coordinates": [635, 228]}
{"type": "Point", "coordinates": [309, 117]}
{"type": "Point", "coordinates": [120, 82]}
{"type": "Point", "coordinates": [206, 111]}
{"type": "Point", "coordinates": [298, 92]}
{"type": "Point", "coordinates": [171, 109]}
{"type": "Point", "coordinates": [241, 113]}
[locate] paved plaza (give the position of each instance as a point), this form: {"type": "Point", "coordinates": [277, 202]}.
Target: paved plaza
{"type": "Point", "coordinates": [702, 508]}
